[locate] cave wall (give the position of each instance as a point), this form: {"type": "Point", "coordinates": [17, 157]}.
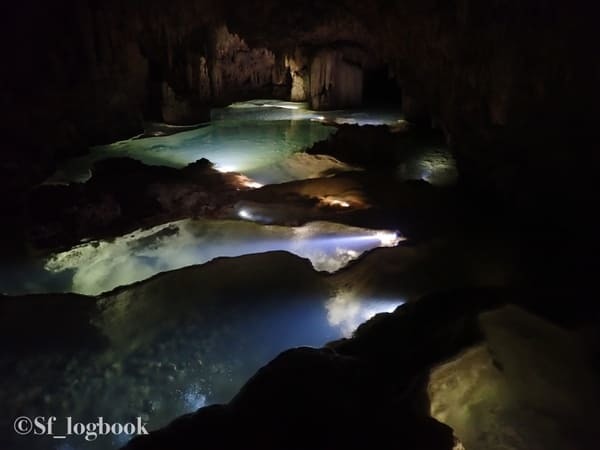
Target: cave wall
{"type": "Point", "coordinates": [82, 73]}
{"type": "Point", "coordinates": [335, 81]}
{"type": "Point", "coordinates": [298, 65]}
{"type": "Point", "coordinates": [513, 85]}
{"type": "Point", "coordinates": [495, 77]}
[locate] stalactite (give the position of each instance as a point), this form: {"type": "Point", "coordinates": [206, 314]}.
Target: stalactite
{"type": "Point", "coordinates": [335, 82]}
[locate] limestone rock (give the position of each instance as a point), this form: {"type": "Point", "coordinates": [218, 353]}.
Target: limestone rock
{"type": "Point", "coordinates": [528, 386]}
{"type": "Point", "coordinates": [177, 110]}
{"type": "Point", "coordinates": [335, 81]}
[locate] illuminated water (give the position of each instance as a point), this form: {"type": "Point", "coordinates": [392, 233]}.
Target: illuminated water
{"type": "Point", "coordinates": [176, 344]}
{"type": "Point", "coordinates": [255, 138]}
{"type": "Point", "coordinates": [100, 266]}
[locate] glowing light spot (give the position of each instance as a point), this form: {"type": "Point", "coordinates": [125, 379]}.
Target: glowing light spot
{"type": "Point", "coordinates": [100, 266]}
{"type": "Point", "coordinates": [352, 254]}
{"type": "Point", "coordinates": [249, 182]}
{"type": "Point", "coordinates": [244, 214]}
{"type": "Point", "coordinates": [253, 184]}
{"type": "Point", "coordinates": [389, 239]}
{"type": "Point", "coordinates": [335, 202]}
{"type": "Point", "coordinates": [269, 105]}
{"type": "Point", "coordinates": [318, 118]}
{"type": "Point", "coordinates": [225, 169]}
{"type": "Point", "coordinates": [341, 203]}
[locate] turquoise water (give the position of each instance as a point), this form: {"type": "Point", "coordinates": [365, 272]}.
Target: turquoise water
{"type": "Point", "coordinates": [170, 347]}
{"type": "Point", "coordinates": [100, 266]}
{"type": "Point", "coordinates": [255, 138]}
{"type": "Point", "coordinates": [248, 143]}
{"type": "Point", "coordinates": [173, 345]}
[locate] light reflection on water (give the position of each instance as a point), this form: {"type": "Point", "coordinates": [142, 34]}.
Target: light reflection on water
{"type": "Point", "coordinates": [346, 311]}
{"type": "Point", "coordinates": [100, 266]}
{"type": "Point", "coordinates": [202, 354]}
{"type": "Point", "coordinates": [249, 147]}
{"type": "Point", "coordinates": [245, 137]}
{"type": "Point", "coordinates": [175, 348]}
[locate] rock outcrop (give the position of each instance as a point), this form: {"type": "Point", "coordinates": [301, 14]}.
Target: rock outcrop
{"type": "Point", "coordinates": [375, 390]}
{"type": "Point", "coordinates": [282, 407]}
{"type": "Point", "coordinates": [122, 195]}
{"type": "Point", "coordinates": [336, 82]}
{"type": "Point", "coordinates": [511, 391]}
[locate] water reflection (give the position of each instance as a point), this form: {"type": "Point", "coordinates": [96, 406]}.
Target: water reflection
{"type": "Point", "coordinates": [190, 338]}
{"type": "Point", "coordinates": [100, 266]}
{"type": "Point", "coordinates": [255, 138]}
{"type": "Point", "coordinates": [434, 164]}
{"type": "Point", "coordinates": [346, 311]}
{"type": "Point", "coordinates": [180, 342]}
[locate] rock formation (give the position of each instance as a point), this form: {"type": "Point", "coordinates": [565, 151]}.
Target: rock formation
{"type": "Point", "coordinates": [335, 81]}
{"type": "Point", "coordinates": [511, 87]}
{"type": "Point", "coordinates": [122, 195]}
{"type": "Point", "coordinates": [510, 392]}
{"type": "Point", "coordinates": [486, 75]}
{"type": "Point", "coordinates": [375, 390]}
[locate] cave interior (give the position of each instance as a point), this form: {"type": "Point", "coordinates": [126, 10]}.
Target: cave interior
{"type": "Point", "coordinates": [302, 225]}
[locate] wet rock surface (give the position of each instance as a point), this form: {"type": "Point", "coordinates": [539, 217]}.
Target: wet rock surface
{"type": "Point", "coordinates": [396, 148]}
{"type": "Point", "coordinates": [374, 378]}
{"type": "Point", "coordinates": [520, 395]}
{"type": "Point", "coordinates": [281, 407]}
{"type": "Point", "coordinates": [147, 331]}
{"type": "Point", "coordinates": [161, 346]}
{"type": "Point", "coordinates": [512, 90]}
{"type": "Point", "coordinates": [380, 377]}
{"type": "Point", "coordinates": [122, 195]}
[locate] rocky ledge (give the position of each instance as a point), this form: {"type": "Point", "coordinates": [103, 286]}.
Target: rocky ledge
{"type": "Point", "coordinates": [410, 175]}
{"type": "Point", "coordinates": [124, 194]}
{"type": "Point", "coordinates": [380, 388]}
